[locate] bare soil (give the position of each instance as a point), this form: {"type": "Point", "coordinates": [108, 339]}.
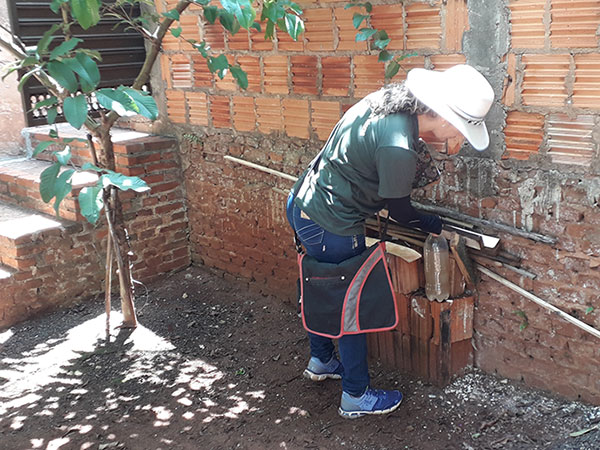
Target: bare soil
{"type": "Point", "coordinates": [212, 366]}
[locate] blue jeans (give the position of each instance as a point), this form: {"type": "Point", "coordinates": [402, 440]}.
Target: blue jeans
{"type": "Point", "coordinates": [334, 248]}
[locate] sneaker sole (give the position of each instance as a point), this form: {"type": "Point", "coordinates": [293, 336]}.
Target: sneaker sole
{"type": "Point", "coordinates": [320, 377]}
{"type": "Point", "coordinates": [357, 414]}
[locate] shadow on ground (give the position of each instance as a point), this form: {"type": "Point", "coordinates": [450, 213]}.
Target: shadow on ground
{"type": "Point", "coordinates": [213, 366]}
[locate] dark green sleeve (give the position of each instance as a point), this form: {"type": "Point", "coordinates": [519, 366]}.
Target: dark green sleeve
{"type": "Point", "coordinates": [396, 170]}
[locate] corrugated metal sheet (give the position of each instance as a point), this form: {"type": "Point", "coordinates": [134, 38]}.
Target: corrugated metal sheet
{"type": "Point", "coordinates": [122, 50]}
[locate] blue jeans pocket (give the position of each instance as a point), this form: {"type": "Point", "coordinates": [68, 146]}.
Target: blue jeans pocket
{"type": "Point", "coordinates": [310, 233]}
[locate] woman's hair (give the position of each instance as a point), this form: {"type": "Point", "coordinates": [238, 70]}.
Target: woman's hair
{"type": "Point", "coordinates": [395, 98]}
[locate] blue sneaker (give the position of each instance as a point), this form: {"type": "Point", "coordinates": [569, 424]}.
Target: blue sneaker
{"type": "Point", "coordinates": [318, 371]}
{"type": "Point", "coordinates": [373, 401]}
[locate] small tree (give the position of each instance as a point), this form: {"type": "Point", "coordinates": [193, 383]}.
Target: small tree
{"type": "Point", "coordinates": [69, 72]}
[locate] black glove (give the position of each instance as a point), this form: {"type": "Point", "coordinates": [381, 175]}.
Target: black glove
{"type": "Point", "coordinates": [402, 211]}
{"type": "Point", "coordinates": [431, 223]}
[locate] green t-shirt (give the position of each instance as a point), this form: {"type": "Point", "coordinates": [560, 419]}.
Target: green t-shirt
{"type": "Point", "coordinates": [365, 161]}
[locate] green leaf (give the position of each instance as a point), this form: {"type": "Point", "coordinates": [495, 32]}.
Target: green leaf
{"type": "Point", "coordinates": [382, 43]}
{"type": "Point", "coordinates": [55, 5]}
{"type": "Point", "coordinates": [294, 7]}
{"type": "Point", "coordinates": [176, 31]}
{"type": "Point", "coordinates": [53, 134]}
{"type": "Point", "coordinates": [589, 310]}
{"type": "Point", "coordinates": [211, 13]}
{"type": "Point", "coordinates": [62, 187]}
{"type": "Point", "coordinates": [218, 65]}
{"type": "Point", "coordinates": [357, 20]}
{"type": "Point", "coordinates": [294, 26]}
{"type": "Point", "coordinates": [87, 69]}
{"type": "Point", "coordinates": [29, 61]}
{"type": "Point", "coordinates": [392, 69]}
{"type": "Point", "coordinates": [63, 75]}
{"type": "Point", "coordinates": [47, 182]}
{"type": "Point", "coordinates": [86, 12]}
{"type": "Point", "coordinates": [41, 147]}
{"type": "Point", "coordinates": [63, 156]}
{"type": "Point", "coordinates": [65, 48]}
{"type": "Point", "coordinates": [51, 115]}
{"type": "Point", "coordinates": [242, 10]}
{"type": "Point", "coordinates": [172, 14]}
{"type": "Point", "coordinates": [124, 182]}
{"type": "Point", "coordinates": [256, 26]}
{"type": "Point", "coordinates": [281, 25]}
{"type": "Point", "coordinates": [46, 102]}
{"type": "Point", "coordinates": [384, 55]}
{"type": "Point", "coordinates": [117, 101]}
{"type": "Point", "coordinates": [26, 77]}
{"type": "Point", "coordinates": [229, 22]}
{"type": "Point", "coordinates": [94, 54]}
{"type": "Point", "coordinates": [364, 34]}
{"type": "Point", "coordinates": [44, 42]}
{"type": "Point", "coordinates": [272, 11]}
{"type": "Point", "coordinates": [145, 103]}
{"type": "Point", "coordinates": [202, 48]}
{"type": "Point", "coordinates": [240, 76]}
{"type": "Point", "coordinates": [91, 203]}
{"type": "Point", "coordinates": [75, 110]}
{"type": "Point", "coordinates": [90, 166]}
{"type": "Point", "coordinates": [269, 30]}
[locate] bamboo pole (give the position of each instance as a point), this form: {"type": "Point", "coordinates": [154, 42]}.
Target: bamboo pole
{"type": "Point", "coordinates": [261, 168]}
{"type": "Point", "coordinates": [539, 301]}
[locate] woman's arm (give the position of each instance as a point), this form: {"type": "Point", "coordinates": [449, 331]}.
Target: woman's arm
{"type": "Point", "coordinates": [402, 211]}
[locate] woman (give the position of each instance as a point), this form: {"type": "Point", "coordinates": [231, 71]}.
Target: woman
{"type": "Point", "coordinates": [370, 162]}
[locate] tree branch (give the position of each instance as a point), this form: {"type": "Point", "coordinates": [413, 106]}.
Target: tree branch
{"type": "Point", "coordinates": [12, 48]}
{"type": "Point", "coordinates": [151, 54]}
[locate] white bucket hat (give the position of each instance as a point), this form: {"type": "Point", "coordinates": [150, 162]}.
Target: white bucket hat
{"type": "Point", "coordinates": [461, 95]}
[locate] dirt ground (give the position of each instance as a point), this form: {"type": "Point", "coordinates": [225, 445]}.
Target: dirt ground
{"type": "Point", "coordinates": [214, 367]}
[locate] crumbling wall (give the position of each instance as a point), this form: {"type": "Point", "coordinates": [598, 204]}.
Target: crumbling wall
{"type": "Point", "coordinates": [539, 174]}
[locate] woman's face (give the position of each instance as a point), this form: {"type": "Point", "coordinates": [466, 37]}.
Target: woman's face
{"type": "Point", "coordinates": [445, 131]}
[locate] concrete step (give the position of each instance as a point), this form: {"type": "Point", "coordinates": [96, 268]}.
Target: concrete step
{"type": "Point", "coordinates": [20, 185]}
{"type": "Point", "coordinates": [23, 233]}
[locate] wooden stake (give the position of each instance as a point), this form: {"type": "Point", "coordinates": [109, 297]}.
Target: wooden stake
{"type": "Point", "coordinates": [108, 284]}
{"type": "Point", "coordinates": [539, 301]}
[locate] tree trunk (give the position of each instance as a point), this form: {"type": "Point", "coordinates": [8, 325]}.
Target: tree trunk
{"type": "Point", "coordinates": [116, 225]}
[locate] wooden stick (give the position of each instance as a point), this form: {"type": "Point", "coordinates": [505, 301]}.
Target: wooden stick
{"type": "Point", "coordinates": [487, 223]}
{"type": "Point", "coordinates": [261, 168]}
{"type": "Point", "coordinates": [437, 209]}
{"type": "Point", "coordinates": [108, 284]}
{"type": "Point", "coordinates": [539, 301]}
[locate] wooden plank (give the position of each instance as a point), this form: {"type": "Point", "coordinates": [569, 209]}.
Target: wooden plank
{"type": "Point", "coordinates": [457, 281]}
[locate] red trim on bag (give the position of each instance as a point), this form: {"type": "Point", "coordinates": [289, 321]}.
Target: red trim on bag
{"type": "Point", "coordinates": [380, 256]}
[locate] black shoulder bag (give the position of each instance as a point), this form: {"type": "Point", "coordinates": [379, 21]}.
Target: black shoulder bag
{"type": "Point", "coordinates": [351, 297]}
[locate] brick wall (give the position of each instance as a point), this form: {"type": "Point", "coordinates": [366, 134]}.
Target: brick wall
{"type": "Point", "coordinates": [539, 174]}
{"type": "Point", "coordinates": [58, 266]}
